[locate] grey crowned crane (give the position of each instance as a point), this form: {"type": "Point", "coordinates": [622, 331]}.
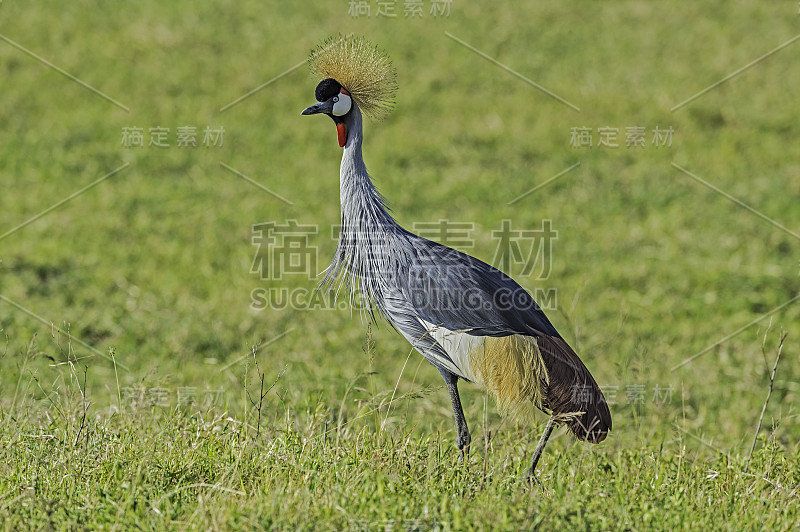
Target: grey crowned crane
{"type": "Point", "coordinates": [470, 320]}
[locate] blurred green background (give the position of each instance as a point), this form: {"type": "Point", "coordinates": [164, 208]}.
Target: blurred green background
{"type": "Point", "coordinates": [650, 265]}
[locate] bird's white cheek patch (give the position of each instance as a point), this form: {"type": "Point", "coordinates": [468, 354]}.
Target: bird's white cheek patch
{"type": "Point", "coordinates": [342, 107]}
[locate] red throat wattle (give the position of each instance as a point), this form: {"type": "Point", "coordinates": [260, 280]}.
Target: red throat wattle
{"type": "Point", "coordinates": [341, 133]}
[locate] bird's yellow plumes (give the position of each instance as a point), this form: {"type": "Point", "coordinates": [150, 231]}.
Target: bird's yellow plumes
{"type": "Point", "coordinates": [361, 68]}
{"type": "Point", "coordinates": [511, 367]}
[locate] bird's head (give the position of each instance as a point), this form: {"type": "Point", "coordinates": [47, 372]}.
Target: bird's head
{"type": "Point", "coordinates": [334, 101]}
{"type": "Point", "coordinates": [354, 73]}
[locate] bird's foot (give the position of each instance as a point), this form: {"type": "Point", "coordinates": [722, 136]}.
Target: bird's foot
{"type": "Point", "coordinates": [463, 444]}
{"type": "Point", "coordinates": [530, 476]}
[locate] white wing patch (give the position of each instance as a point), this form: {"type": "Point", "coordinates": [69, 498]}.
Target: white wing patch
{"type": "Point", "coordinates": [458, 345]}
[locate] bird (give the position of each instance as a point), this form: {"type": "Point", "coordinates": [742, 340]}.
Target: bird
{"type": "Point", "coordinates": [471, 321]}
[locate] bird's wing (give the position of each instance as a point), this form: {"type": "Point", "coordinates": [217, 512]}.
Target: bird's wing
{"type": "Point", "coordinates": [452, 289]}
{"type": "Point", "coordinates": [449, 289]}
{"type": "Point", "coordinates": [405, 320]}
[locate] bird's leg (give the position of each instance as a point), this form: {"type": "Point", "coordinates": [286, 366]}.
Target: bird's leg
{"type": "Point", "coordinates": [463, 438]}
{"type": "Point", "coordinates": [537, 453]}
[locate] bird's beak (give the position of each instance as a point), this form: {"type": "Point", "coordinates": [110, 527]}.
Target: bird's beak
{"type": "Point", "coordinates": [327, 107]}
{"type": "Point", "coordinates": [319, 107]}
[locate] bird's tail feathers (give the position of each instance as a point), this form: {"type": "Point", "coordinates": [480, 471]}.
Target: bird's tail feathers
{"type": "Point", "coordinates": [572, 393]}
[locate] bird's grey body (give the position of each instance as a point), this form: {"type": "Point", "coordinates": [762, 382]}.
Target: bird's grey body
{"type": "Point", "coordinates": [444, 302]}
{"type": "Point", "coordinates": [431, 293]}
{"type": "Point", "coordinates": [470, 320]}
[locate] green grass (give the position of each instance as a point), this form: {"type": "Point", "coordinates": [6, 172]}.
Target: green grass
{"type": "Point", "coordinates": [202, 471]}
{"type": "Point", "coordinates": [650, 267]}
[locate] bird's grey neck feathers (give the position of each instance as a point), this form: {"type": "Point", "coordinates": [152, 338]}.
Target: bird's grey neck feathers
{"type": "Point", "coordinates": [364, 256]}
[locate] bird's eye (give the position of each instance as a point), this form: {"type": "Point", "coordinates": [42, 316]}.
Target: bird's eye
{"type": "Point", "coordinates": [335, 99]}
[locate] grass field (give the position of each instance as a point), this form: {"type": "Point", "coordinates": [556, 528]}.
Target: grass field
{"type": "Point", "coordinates": [136, 337]}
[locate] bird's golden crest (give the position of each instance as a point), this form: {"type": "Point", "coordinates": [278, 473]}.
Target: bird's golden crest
{"type": "Point", "coordinates": [361, 68]}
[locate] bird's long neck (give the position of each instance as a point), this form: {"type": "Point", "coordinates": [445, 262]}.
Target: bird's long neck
{"type": "Point", "coordinates": [368, 231]}
{"type": "Point", "coordinates": [363, 208]}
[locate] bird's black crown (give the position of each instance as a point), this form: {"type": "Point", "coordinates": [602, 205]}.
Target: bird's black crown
{"type": "Point", "coordinates": [327, 89]}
